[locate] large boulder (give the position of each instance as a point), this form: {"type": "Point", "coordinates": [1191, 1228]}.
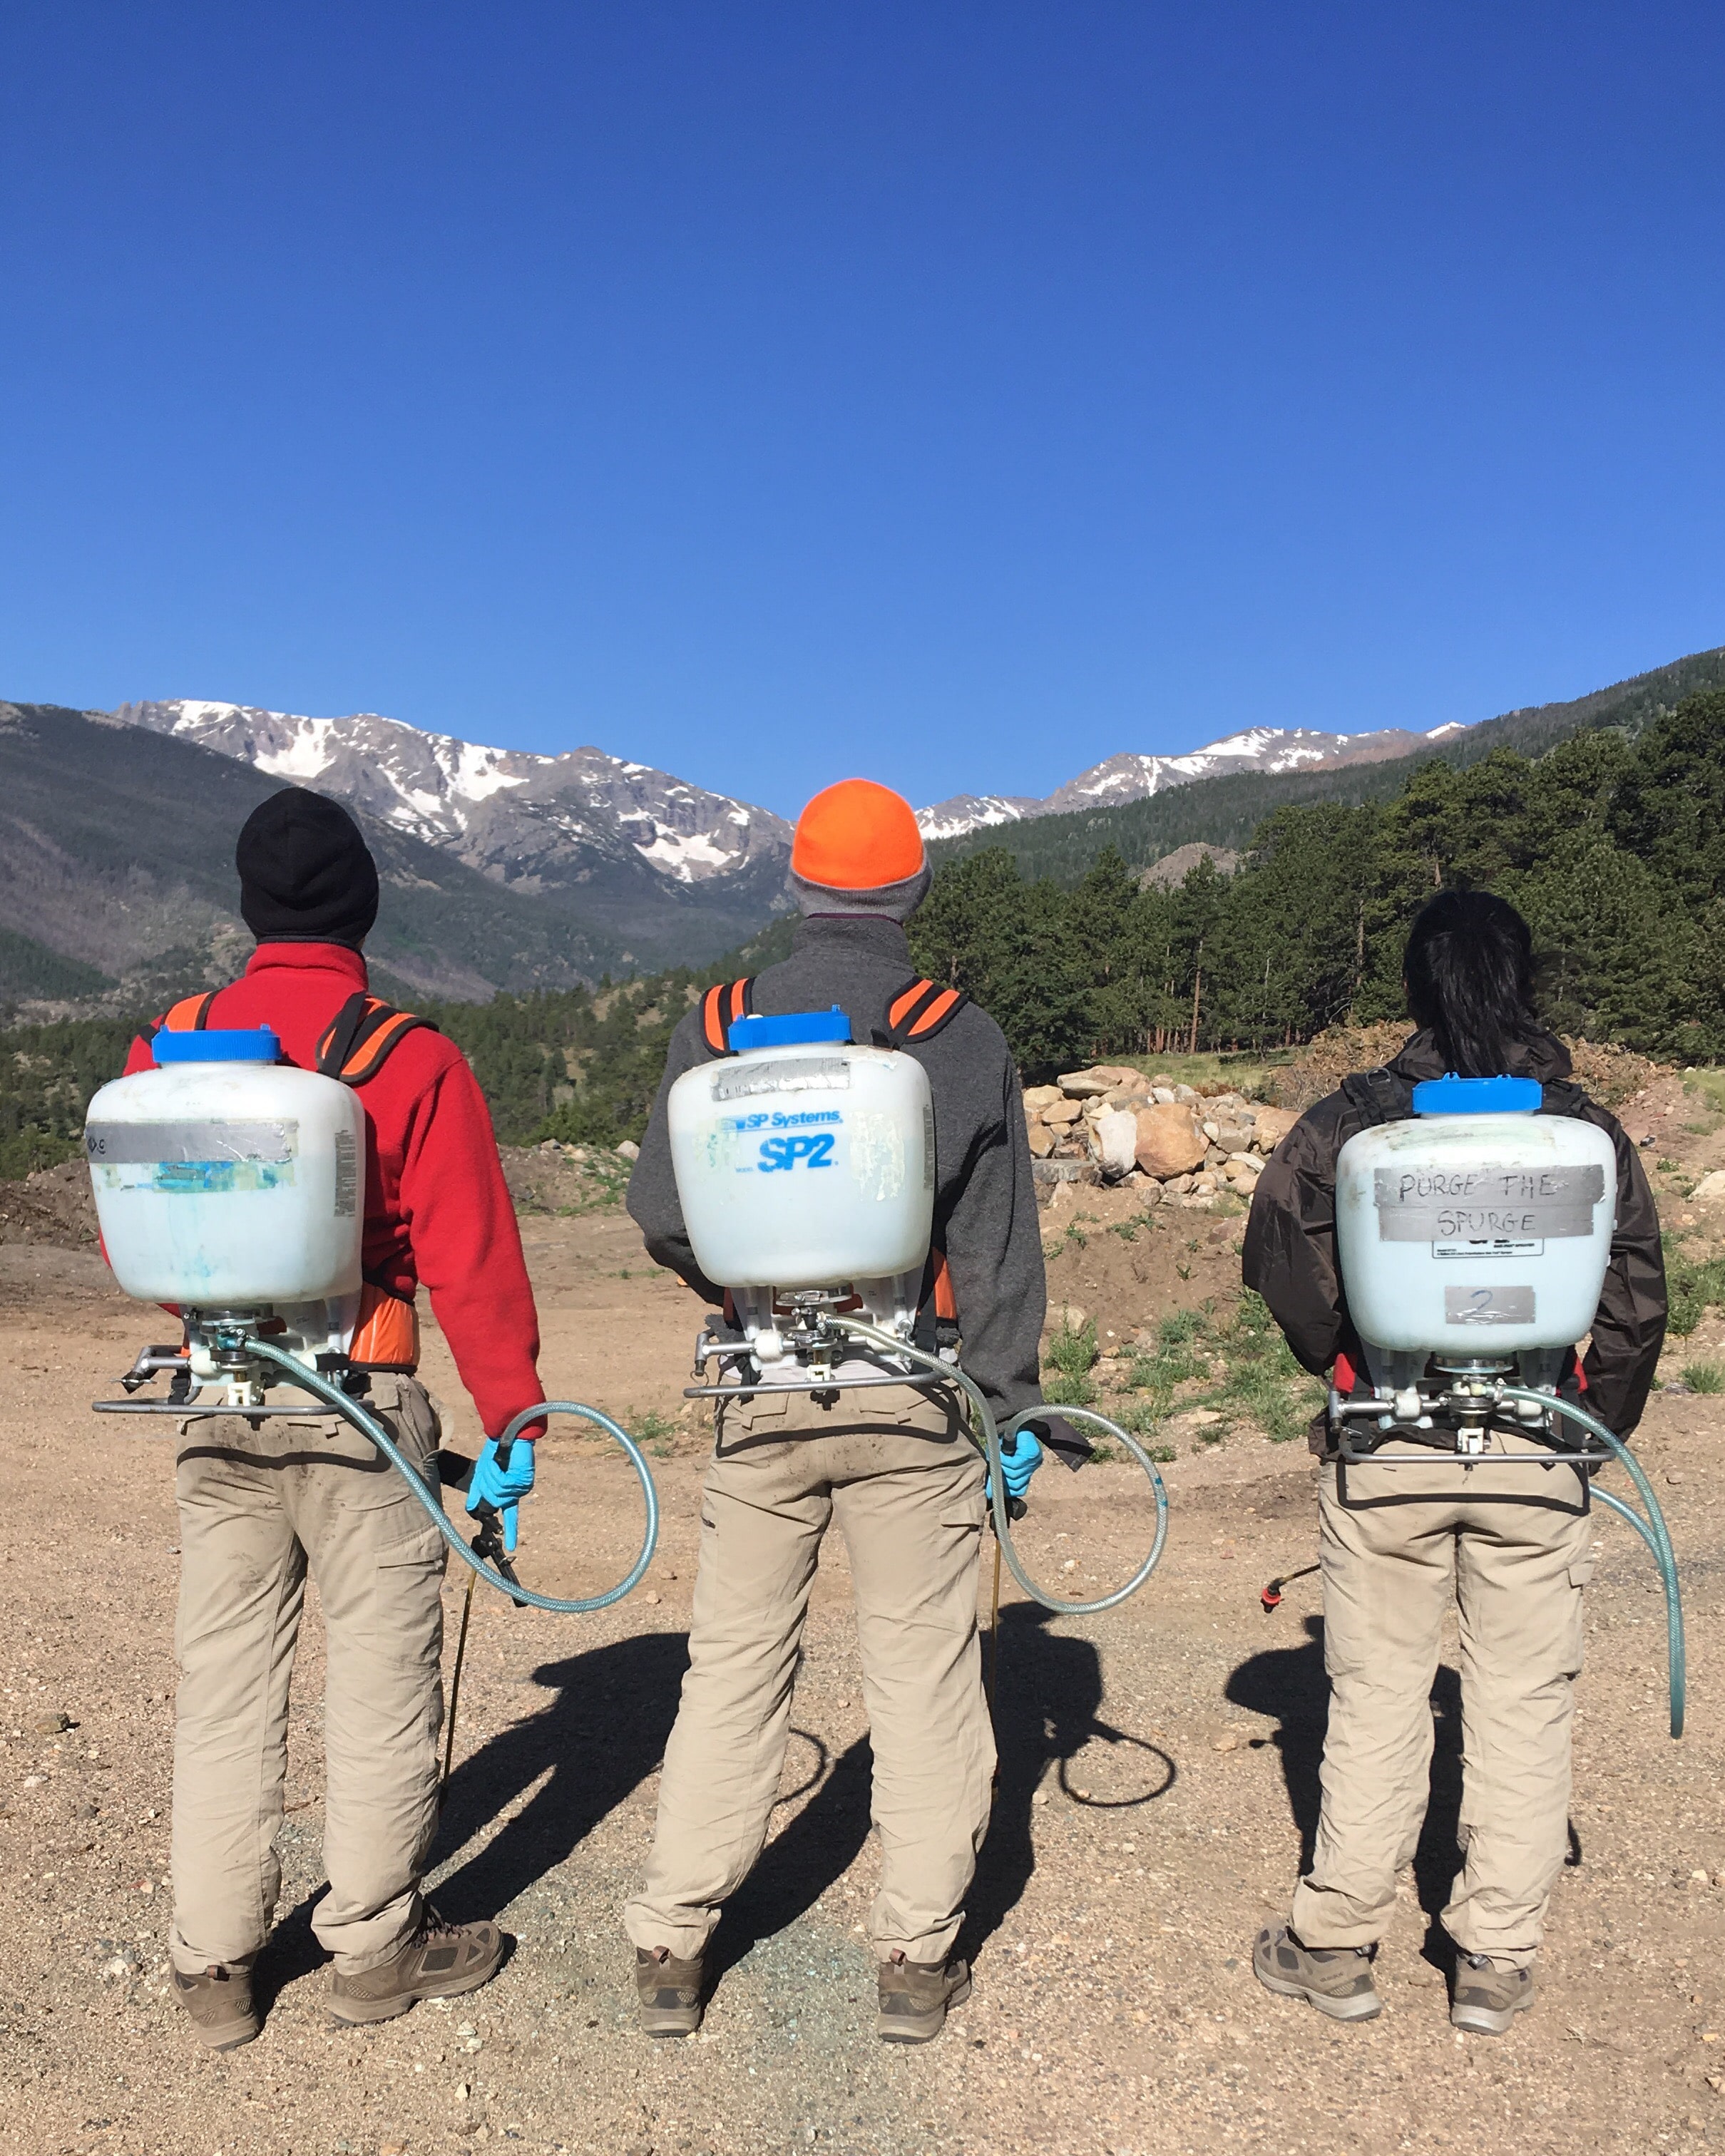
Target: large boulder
{"type": "Point", "coordinates": [1169, 1141]}
{"type": "Point", "coordinates": [1101, 1078]}
{"type": "Point", "coordinates": [1118, 1142]}
{"type": "Point", "coordinates": [1042, 1140]}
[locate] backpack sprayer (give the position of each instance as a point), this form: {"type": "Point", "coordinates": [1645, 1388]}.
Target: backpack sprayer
{"type": "Point", "coordinates": [1473, 1243]}
{"type": "Point", "coordinates": [232, 1185]}
{"type": "Point", "coordinates": [805, 1166]}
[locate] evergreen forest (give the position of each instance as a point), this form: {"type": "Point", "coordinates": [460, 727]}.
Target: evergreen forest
{"type": "Point", "coordinates": [1612, 846]}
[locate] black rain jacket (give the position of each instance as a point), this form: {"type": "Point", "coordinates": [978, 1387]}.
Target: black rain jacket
{"type": "Point", "coordinates": [1290, 1254]}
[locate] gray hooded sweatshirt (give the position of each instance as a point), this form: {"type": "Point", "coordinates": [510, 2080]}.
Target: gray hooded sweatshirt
{"type": "Point", "coordinates": [985, 1201]}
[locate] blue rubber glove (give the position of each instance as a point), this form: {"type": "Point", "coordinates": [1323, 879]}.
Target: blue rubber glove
{"type": "Point", "coordinates": [1016, 1467]}
{"type": "Point", "coordinates": [504, 1487]}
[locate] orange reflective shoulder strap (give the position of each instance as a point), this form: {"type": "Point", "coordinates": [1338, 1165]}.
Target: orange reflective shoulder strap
{"type": "Point", "coordinates": [920, 1011]}
{"type": "Point", "coordinates": [720, 1008]}
{"type": "Point", "coordinates": [190, 1014]}
{"type": "Point", "coordinates": [363, 1036]}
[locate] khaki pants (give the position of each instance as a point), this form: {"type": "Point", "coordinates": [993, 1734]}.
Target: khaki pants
{"type": "Point", "coordinates": [259, 1504]}
{"type": "Point", "coordinates": [905, 1482]}
{"type": "Point", "coordinates": [1517, 1573]}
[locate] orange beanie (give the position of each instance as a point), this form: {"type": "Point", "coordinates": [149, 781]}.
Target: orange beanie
{"type": "Point", "coordinates": [857, 836]}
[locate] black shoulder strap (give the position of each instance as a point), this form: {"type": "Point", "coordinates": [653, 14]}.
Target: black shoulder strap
{"type": "Point", "coordinates": [920, 1011]}
{"type": "Point", "coordinates": [363, 1035]}
{"type": "Point", "coordinates": [1378, 1096]}
{"type": "Point", "coordinates": [720, 1008]}
{"type": "Point", "coordinates": [191, 1015]}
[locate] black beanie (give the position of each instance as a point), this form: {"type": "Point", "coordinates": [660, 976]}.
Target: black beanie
{"type": "Point", "coordinates": [306, 875]}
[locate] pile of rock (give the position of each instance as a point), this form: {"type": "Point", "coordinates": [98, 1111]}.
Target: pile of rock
{"type": "Point", "coordinates": [1111, 1124]}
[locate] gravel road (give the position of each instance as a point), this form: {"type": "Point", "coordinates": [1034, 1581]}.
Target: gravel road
{"type": "Point", "coordinates": [1158, 1774]}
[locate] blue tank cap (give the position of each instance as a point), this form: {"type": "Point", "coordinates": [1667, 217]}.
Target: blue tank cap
{"type": "Point", "coordinates": [791, 1029]}
{"type": "Point", "coordinates": [1451, 1096]}
{"type": "Point", "coordinates": [220, 1045]}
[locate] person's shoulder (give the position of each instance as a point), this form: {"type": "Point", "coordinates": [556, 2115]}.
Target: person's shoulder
{"type": "Point", "coordinates": [973, 1033]}
{"type": "Point", "coordinates": [422, 1058]}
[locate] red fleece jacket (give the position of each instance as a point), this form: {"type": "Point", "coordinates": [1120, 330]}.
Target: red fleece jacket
{"type": "Point", "coordinates": [437, 1209]}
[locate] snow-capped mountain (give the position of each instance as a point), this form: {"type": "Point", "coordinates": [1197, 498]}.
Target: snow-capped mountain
{"type": "Point", "coordinates": [532, 822]}
{"type": "Point", "coordinates": [1132, 778]}
{"type": "Point", "coordinates": [577, 825]}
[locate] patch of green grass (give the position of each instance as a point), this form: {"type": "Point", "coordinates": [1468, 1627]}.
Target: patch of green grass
{"type": "Point", "coordinates": [1668, 1167]}
{"type": "Point", "coordinates": [654, 1432]}
{"type": "Point", "coordinates": [1261, 1381]}
{"type": "Point", "coordinates": [1691, 1283]}
{"type": "Point", "coordinates": [1704, 1128]}
{"type": "Point", "coordinates": [1704, 1377]}
{"type": "Point", "coordinates": [1070, 1354]}
{"type": "Point", "coordinates": [1128, 1230]}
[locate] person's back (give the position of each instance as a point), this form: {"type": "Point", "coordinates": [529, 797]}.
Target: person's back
{"type": "Point", "coordinates": [266, 1502]}
{"type": "Point", "coordinates": [1399, 1542]}
{"type": "Point", "coordinates": [892, 1462]}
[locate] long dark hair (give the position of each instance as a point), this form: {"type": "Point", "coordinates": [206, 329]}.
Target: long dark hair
{"type": "Point", "coordinates": [1469, 970]}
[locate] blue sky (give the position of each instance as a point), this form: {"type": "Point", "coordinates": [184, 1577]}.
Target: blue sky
{"type": "Point", "coordinates": [957, 394]}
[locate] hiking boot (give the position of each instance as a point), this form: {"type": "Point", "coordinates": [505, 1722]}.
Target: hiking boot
{"type": "Point", "coordinates": [220, 2001]}
{"type": "Point", "coordinates": [669, 1991]}
{"type": "Point", "coordinates": [1336, 1980]}
{"type": "Point", "coordinates": [1489, 1994]}
{"type": "Point", "coordinates": [438, 1961]}
{"type": "Point", "coordinates": [915, 1996]}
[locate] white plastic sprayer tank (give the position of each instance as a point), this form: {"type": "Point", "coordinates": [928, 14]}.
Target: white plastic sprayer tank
{"type": "Point", "coordinates": [226, 1180]}
{"type": "Point", "coordinates": [805, 1160]}
{"type": "Point", "coordinates": [1479, 1229]}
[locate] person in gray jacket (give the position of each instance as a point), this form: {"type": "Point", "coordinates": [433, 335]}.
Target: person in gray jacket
{"type": "Point", "coordinates": [892, 1464]}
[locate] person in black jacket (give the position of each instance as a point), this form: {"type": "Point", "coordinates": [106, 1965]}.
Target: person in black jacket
{"type": "Point", "coordinates": [1515, 1568]}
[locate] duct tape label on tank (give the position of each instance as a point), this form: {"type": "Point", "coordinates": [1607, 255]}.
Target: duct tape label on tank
{"type": "Point", "coordinates": [1486, 1204]}
{"type": "Point", "coordinates": [739, 1081]}
{"type": "Point", "coordinates": [1488, 1306]}
{"type": "Point", "coordinates": [192, 1160]}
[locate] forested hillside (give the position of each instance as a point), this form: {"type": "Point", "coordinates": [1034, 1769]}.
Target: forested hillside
{"type": "Point", "coordinates": [1225, 812]}
{"type": "Point", "coordinates": [1614, 849]}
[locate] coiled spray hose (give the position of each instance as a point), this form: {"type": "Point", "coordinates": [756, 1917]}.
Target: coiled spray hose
{"type": "Point", "coordinates": [315, 1383]}
{"type": "Point", "coordinates": [1652, 1531]}
{"type": "Point", "coordinates": [986, 1438]}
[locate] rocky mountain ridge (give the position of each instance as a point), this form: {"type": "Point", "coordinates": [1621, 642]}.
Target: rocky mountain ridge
{"type": "Point", "coordinates": [533, 821]}
{"type": "Point", "coordinates": [1134, 777]}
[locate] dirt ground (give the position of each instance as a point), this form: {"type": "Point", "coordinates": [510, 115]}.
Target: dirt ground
{"type": "Point", "coordinates": [1158, 1782]}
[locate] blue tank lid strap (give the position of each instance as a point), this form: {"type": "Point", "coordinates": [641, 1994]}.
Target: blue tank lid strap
{"type": "Point", "coordinates": [791, 1029]}
{"type": "Point", "coordinates": [254, 1045]}
{"type": "Point", "coordinates": [1451, 1096]}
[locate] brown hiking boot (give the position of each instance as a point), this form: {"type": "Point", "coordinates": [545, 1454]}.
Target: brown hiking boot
{"type": "Point", "coordinates": [1489, 1994]}
{"type": "Point", "coordinates": [915, 1996]}
{"type": "Point", "coordinates": [438, 1961]}
{"type": "Point", "coordinates": [1336, 1980]}
{"type": "Point", "coordinates": [669, 1991]}
{"type": "Point", "coordinates": [220, 2001]}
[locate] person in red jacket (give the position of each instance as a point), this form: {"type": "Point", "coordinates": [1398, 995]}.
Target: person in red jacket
{"type": "Point", "coordinates": [262, 1503]}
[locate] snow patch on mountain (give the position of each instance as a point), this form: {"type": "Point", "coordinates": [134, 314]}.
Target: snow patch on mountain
{"type": "Point", "coordinates": [1134, 776]}
{"type": "Point", "coordinates": [516, 815]}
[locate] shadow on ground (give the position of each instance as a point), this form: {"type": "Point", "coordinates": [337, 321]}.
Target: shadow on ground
{"type": "Point", "coordinates": [1289, 1685]}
